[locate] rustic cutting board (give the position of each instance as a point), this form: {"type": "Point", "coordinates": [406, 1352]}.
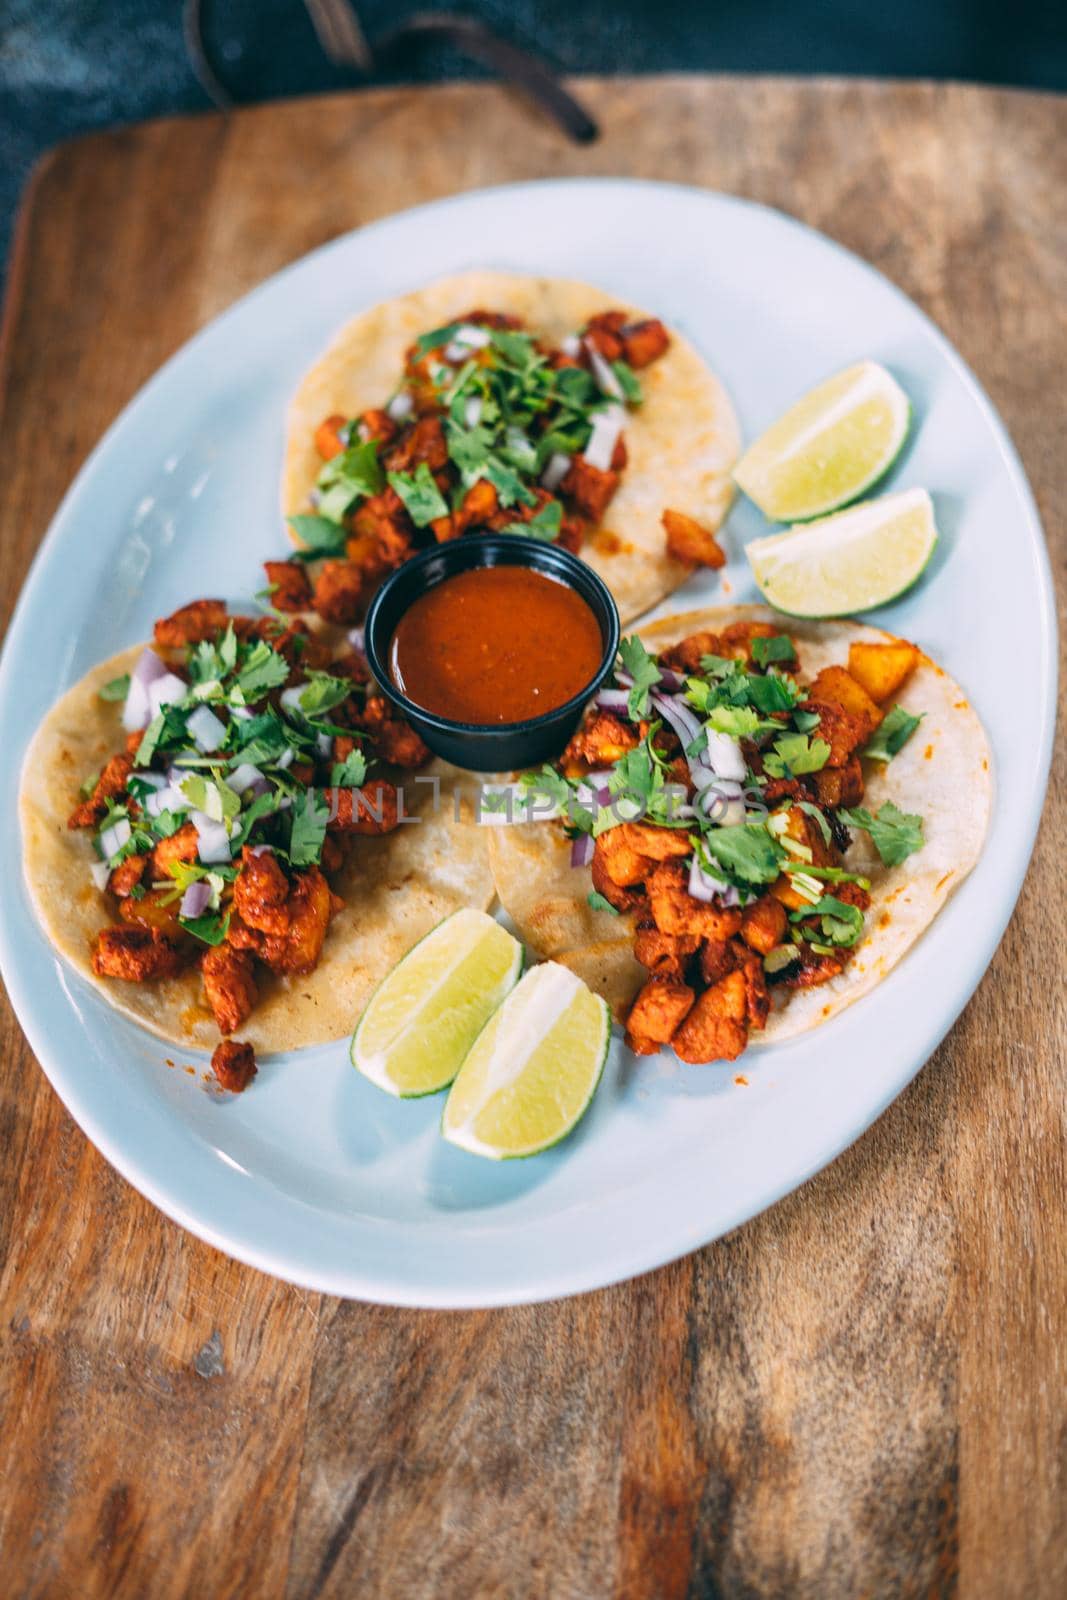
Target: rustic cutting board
{"type": "Point", "coordinates": [861, 1392]}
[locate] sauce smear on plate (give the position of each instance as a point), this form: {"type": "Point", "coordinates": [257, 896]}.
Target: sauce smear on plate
{"type": "Point", "coordinates": [496, 644]}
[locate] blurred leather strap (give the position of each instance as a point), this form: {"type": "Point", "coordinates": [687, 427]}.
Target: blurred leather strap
{"type": "Point", "coordinates": [340, 33]}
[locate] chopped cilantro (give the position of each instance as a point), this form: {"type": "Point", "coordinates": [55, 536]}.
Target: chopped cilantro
{"type": "Point", "coordinates": [746, 850]}
{"type": "Point", "coordinates": [778, 648]}
{"type": "Point", "coordinates": [436, 338]}
{"type": "Point", "coordinates": [264, 669]}
{"type": "Point", "coordinates": [895, 834]}
{"type": "Point", "coordinates": [422, 498]}
{"type": "Point", "coordinates": [264, 805]}
{"type": "Point", "coordinates": [772, 693]}
{"type": "Point", "coordinates": [310, 816]}
{"type": "Point", "coordinates": [740, 722]}
{"type": "Point", "coordinates": [353, 475]}
{"type": "Point", "coordinates": [211, 928]}
{"type": "Point", "coordinates": [598, 903]}
{"type": "Point", "coordinates": [794, 753]}
{"type": "Point", "coordinates": [841, 923]}
{"type": "Point", "coordinates": [349, 773]}
{"type": "Point", "coordinates": [817, 817]}
{"type": "Point", "coordinates": [628, 382]}
{"type": "Point", "coordinates": [643, 670]}
{"type": "Point", "coordinates": [508, 484]}
{"type": "Point", "coordinates": [321, 535]}
{"type": "Point", "coordinates": [891, 735]}
{"type": "Point", "coordinates": [322, 692]}
{"type": "Point", "coordinates": [115, 688]}
{"type": "Point", "coordinates": [545, 525]}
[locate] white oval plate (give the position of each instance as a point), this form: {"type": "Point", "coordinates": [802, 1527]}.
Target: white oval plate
{"type": "Point", "coordinates": [315, 1175]}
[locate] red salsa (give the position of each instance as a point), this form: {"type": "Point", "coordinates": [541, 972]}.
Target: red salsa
{"type": "Point", "coordinates": [495, 645]}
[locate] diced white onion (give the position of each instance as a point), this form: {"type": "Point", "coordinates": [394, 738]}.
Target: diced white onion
{"type": "Point", "coordinates": [607, 425]}
{"type": "Point", "coordinates": [166, 691]}
{"type": "Point", "coordinates": [112, 839]}
{"type": "Point", "coordinates": [244, 777]}
{"type": "Point", "coordinates": [571, 346]}
{"type": "Point", "coordinates": [724, 756]}
{"type": "Point", "coordinates": [290, 698]}
{"type": "Point", "coordinates": [472, 411]}
{"type": "Point", "coordinates": [242, 713]}
{"type": "Point", "coordinates": [400, 406]}
{"type": "Point", "coordinates": [556, 469]}
{"type": "Point", "coordinates": [262, 849]}
{"type": "Point", "coordinates": [324, 745]}
{"type": "Point", "coordinates": [154, 780]}
{"type": "Point", "coordinates": [286, 757]}
{"type": "Point", "coordinates": [355, 638]}
{"type": "Point", "coordinates": [100, 872]}
{"type": "Point", "coordinates": [613, 699]}
{"type": "Point", "coordinates": [207, 731]}
{"type": "Point", "coordinates": [213, 842]}
{"type": "Point", "coordinates": [603, 376]}
{"type": "Point", "coordinates": [168, 799]}
{"type": "Point", "coordinates": [137, 711]}
{"type": "Point", "coordinates": [472, 337]}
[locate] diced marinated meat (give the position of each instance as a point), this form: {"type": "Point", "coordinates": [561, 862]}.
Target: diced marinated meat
{"type": "Point", "coordinates": [644, 342]}
{"type": "Point", "coordinates": [372, 810]}
{"type": "Point", "coordinates": [715, 1029]}
{"type": "Point", "coordinates": [589, 488]}
{"type": "Point", "coordinates": [181, 846]}
{"type": "Point", "coordinates": [329, 440]}
{"type": "Point", "coordinates": [666, 955]}
{"type": "Point", "coordinates": [260, 891]}
{"type": "Point", "coordinates": [600, 743]}
{"type": "Point", "coordinates": [127, 876]}
{"type": "Point", "coordinates": [191, 624]}
{"type": "Point", "coordinates": [136, 954]}
{"type": "Point", "coordinates": [310, 907]}
{"type": "Point", "coordinates": [395, 741]}
{"type": "Point", "coordinates": [290, 589]}
{"type": "Point", "coordinates": [689, 541]}
{"type": "Point", "coordinates": [110, 784]}
{"type": "Point", "coordinates": [234, 1065]}
{"type": "Point", "coordinates": [659, 1009]}
{"type": "Point", "coordinates": [839, 786]}
{"type": "Point", "coordinates": [763, 923]}
{"type": "Point", "coordinates": [674, 910]}
{"type": "Point", "coordinates": [157, 909]}
{"type": "Point", "coordinates": [338, 594]}
{"type": "Point", "coordinates": [229, 985]}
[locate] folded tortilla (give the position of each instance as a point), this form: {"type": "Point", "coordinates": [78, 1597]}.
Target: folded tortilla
{"type": "Point", "coordinates": [943, 773]}
{"type": "Point", "coordinates": [395, 889]}
{"type": "Point", "coordinates": [683, 440]}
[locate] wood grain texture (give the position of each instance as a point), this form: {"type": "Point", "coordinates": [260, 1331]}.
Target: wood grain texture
{"type": "Point", "coordinates": [861, 1392]}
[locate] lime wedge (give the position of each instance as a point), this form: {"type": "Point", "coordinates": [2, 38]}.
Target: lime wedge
{"type": "Point", "coordinates": [829, 448]}
{"type": "Point", "coordinates": [534, 1070]}
{"type": "Point", "coordinates": [423, 1018]}
{"type": "Point", "coordinates": [850, 562]}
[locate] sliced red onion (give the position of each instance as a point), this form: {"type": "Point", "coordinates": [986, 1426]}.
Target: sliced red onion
{"type": "Point", "coordinates": [100, 872]}
{"type": "Point", "coordinates": [555, 470]}
{"type": "Point", "coordinates": [582, 847]}
{"type": "Point", "coordinates": [356, 639]}
{"type": "Point", "coordinates": [137, 710]}
{"type": "Point", "coordinates": [571, 346]}
{"type": "Point", "coordinates": [682, 718]}
{"type": "Point", "coordinates": [207, 731]}
{"type": "Point", "coordinates": [613, 699]}
{"type": "Point", "coordinates": [722, 803]}
{"type": "Point", "coordinates": [472, 411]}
{"type": "Point", "coordinates": [213, 842]}
{"type": "Point", "coordinates": [168, 690]}
{"type": "Point", "coordinates": [400, 406]}
{"type": "Point", "coordinates": [604, 377]}
{"type": "Point", "coordinates": [112, 839]}
{"type": "Point", "coordinates": [670, 680]}
{"type": "Point", "coordinates": [607, 426]}
{"type": "Point", "coordinates": [706, 886]}
{"type": "Point", "coordinates": [624, 677]}
{"type": "Point", "coordinates": [196, 899]}
{"type": "Point", "coordinates": [246, 776]}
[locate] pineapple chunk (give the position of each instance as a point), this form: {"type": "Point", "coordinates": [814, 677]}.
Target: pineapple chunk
{"type": "Point", "coordinates": [842, 689]}
{"type": "Point", "coordinates": [881, 668]}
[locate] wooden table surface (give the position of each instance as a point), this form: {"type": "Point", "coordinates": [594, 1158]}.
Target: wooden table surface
{"type": "Point", "coordinates": [860, 1393]}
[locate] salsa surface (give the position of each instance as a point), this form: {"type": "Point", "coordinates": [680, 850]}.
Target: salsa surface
{"type": "Point", "coordinates": [497, 644]}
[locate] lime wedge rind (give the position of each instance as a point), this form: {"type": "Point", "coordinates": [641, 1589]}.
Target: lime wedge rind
{"type": "Point", "coordinates": [852, 561]}
{"type": "Point", "coordinates": [832, 446]}
{"type": "Point", "coordinates": [534, 1070]}
{"type": "Point", "coordinates": [422, 1019]}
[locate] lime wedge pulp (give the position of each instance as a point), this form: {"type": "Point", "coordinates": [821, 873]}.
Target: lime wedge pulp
{"type": "Point", "coordinates": [829, 448]}
{"type": "Point", "coordinates": [423, 1018]}
{"type": "Point", "coordinates": [849, 562]}
{"type": "Point", "coordinates": [533, 1071]}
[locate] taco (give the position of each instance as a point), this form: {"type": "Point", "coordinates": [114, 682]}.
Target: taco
{"type": "Point", "coordinates": [751, 827]}
{"type": "Point", "coordinates": [238, 859]}
{"type": "Point", "coordinates": [499, 401]}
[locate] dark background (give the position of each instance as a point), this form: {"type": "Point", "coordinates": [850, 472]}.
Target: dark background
{"type": "Point", "coordinates": [67, 66]}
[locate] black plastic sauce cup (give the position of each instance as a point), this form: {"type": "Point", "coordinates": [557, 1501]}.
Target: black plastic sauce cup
{"type": "Point", "coordinates": [497, 746]}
